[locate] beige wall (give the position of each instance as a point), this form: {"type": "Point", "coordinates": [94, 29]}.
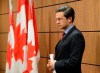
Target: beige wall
{"type": "Point", "coordinates": [87, 20]}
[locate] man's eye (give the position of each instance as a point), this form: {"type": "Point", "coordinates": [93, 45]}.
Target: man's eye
{"type": "Point", "coordinates": [59, 18]}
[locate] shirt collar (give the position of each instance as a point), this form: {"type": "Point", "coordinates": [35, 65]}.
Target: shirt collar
{"type": "Point", "coordinates": [67, 29]}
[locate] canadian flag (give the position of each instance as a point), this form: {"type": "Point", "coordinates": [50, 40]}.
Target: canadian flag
{"type": "Point", "coordinates": [22, 51]}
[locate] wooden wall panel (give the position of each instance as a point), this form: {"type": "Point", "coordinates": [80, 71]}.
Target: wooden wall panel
{"type": "Point", "coordinates": [43, 3]}
{"type": "Point", "coordinates": [88, 15]}
{"type": "Point", "coordinates": [43, 19]}
{"type": "Point", "coordinates": [3, 42]}
{"type": "Point", "coordinates": [38, 3]}
{"type": "Point", "coordinates": [2, 60]}
{"type": "Point", "coordinates": [44, 44]}
{"type": "Point", "coordinates": [90, 69]}
{"type": "Point", "coordinates": [87, 18]}
{"type": "Point", "coordinates": [39, 20]}
{"type": "Point", "coordinates": [92, 50]}
{"type": "Point", "coordinates": [1, 71]}
{"type": "Point", "coordinates": [4, 23]}
{"type": "Point", "coordinates": [4, 6]}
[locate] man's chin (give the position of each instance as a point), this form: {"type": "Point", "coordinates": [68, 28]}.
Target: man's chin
{"type": "Point", "coordinates": [60, 27]}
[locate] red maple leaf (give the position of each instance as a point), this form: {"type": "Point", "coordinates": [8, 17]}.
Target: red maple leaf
{"type": "Point", "coordinates": [20, 42]}
{"type": "Point", "coordinates": [31, 53]}
{"type": "Point", "coordinates": [9, 54]}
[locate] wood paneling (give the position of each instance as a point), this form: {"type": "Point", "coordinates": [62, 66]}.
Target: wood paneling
{"type": "Point", "coordinates": [92, 50]}
{"type": "Point", "coordinates": [38, 3]}
{"type": "Point", "coordinates": [90, 69]}
{"type": "Point", "coordinates": [4, 6]}
{"type": "Point", "coordinates": [39, 20]}
{"type": "Point", "coordinates": [87, 14]}
{"type": "Point", "coordinates": [1, 71]}
{"type": "Point", "coordinates": [2, 60]}
{"type": "Point", "coordinates": [3, 42]}
{"type": "Point", "coordinates": [4, 23]}
{"type": "Point", "coordinates": [87, 18]}
{"type": "Point", "coordinates": [43, 19]}
{"type": "Point", "coordinates": [44, 44]}
{"type": "Point", "coordinates": [42, 3]}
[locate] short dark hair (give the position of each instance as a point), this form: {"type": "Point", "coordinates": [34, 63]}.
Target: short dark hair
{"type": "Point", "coordinates": [68, 12]}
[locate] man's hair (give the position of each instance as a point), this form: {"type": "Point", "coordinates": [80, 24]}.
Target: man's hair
{"type": "Point", "coordinates": [68, 12]}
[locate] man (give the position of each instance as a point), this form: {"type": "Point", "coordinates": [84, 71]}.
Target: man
{"type": "Point", "coordinates": [69, 50]}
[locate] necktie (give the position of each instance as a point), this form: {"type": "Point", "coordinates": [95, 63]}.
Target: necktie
{"type": "Point", "coordinates": [62, 35]}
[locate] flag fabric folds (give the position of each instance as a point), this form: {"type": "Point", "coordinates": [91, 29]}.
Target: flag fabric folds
{"type": "Point", "coordinates": [22, 51]}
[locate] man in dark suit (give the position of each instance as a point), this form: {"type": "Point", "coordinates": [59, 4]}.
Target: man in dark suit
{"type": "Point", "coordinates": [69, 50]}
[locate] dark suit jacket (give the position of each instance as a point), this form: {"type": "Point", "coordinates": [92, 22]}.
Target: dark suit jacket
{"type": "Point", "coordinates": [69, 51]}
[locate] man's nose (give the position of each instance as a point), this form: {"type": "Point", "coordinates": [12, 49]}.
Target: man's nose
{"type": "Point", "coordinates": [57, 22]}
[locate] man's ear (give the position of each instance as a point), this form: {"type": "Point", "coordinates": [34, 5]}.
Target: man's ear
{"type": "Point", "coordinates": [70, 19]}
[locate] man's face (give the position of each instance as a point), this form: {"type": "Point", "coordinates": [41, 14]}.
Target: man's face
{"type": "Point", "coordinates": [61, 21]}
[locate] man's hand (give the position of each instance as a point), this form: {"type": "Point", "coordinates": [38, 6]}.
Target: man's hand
{"type": "Point", "coordinates": [50, 64]}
